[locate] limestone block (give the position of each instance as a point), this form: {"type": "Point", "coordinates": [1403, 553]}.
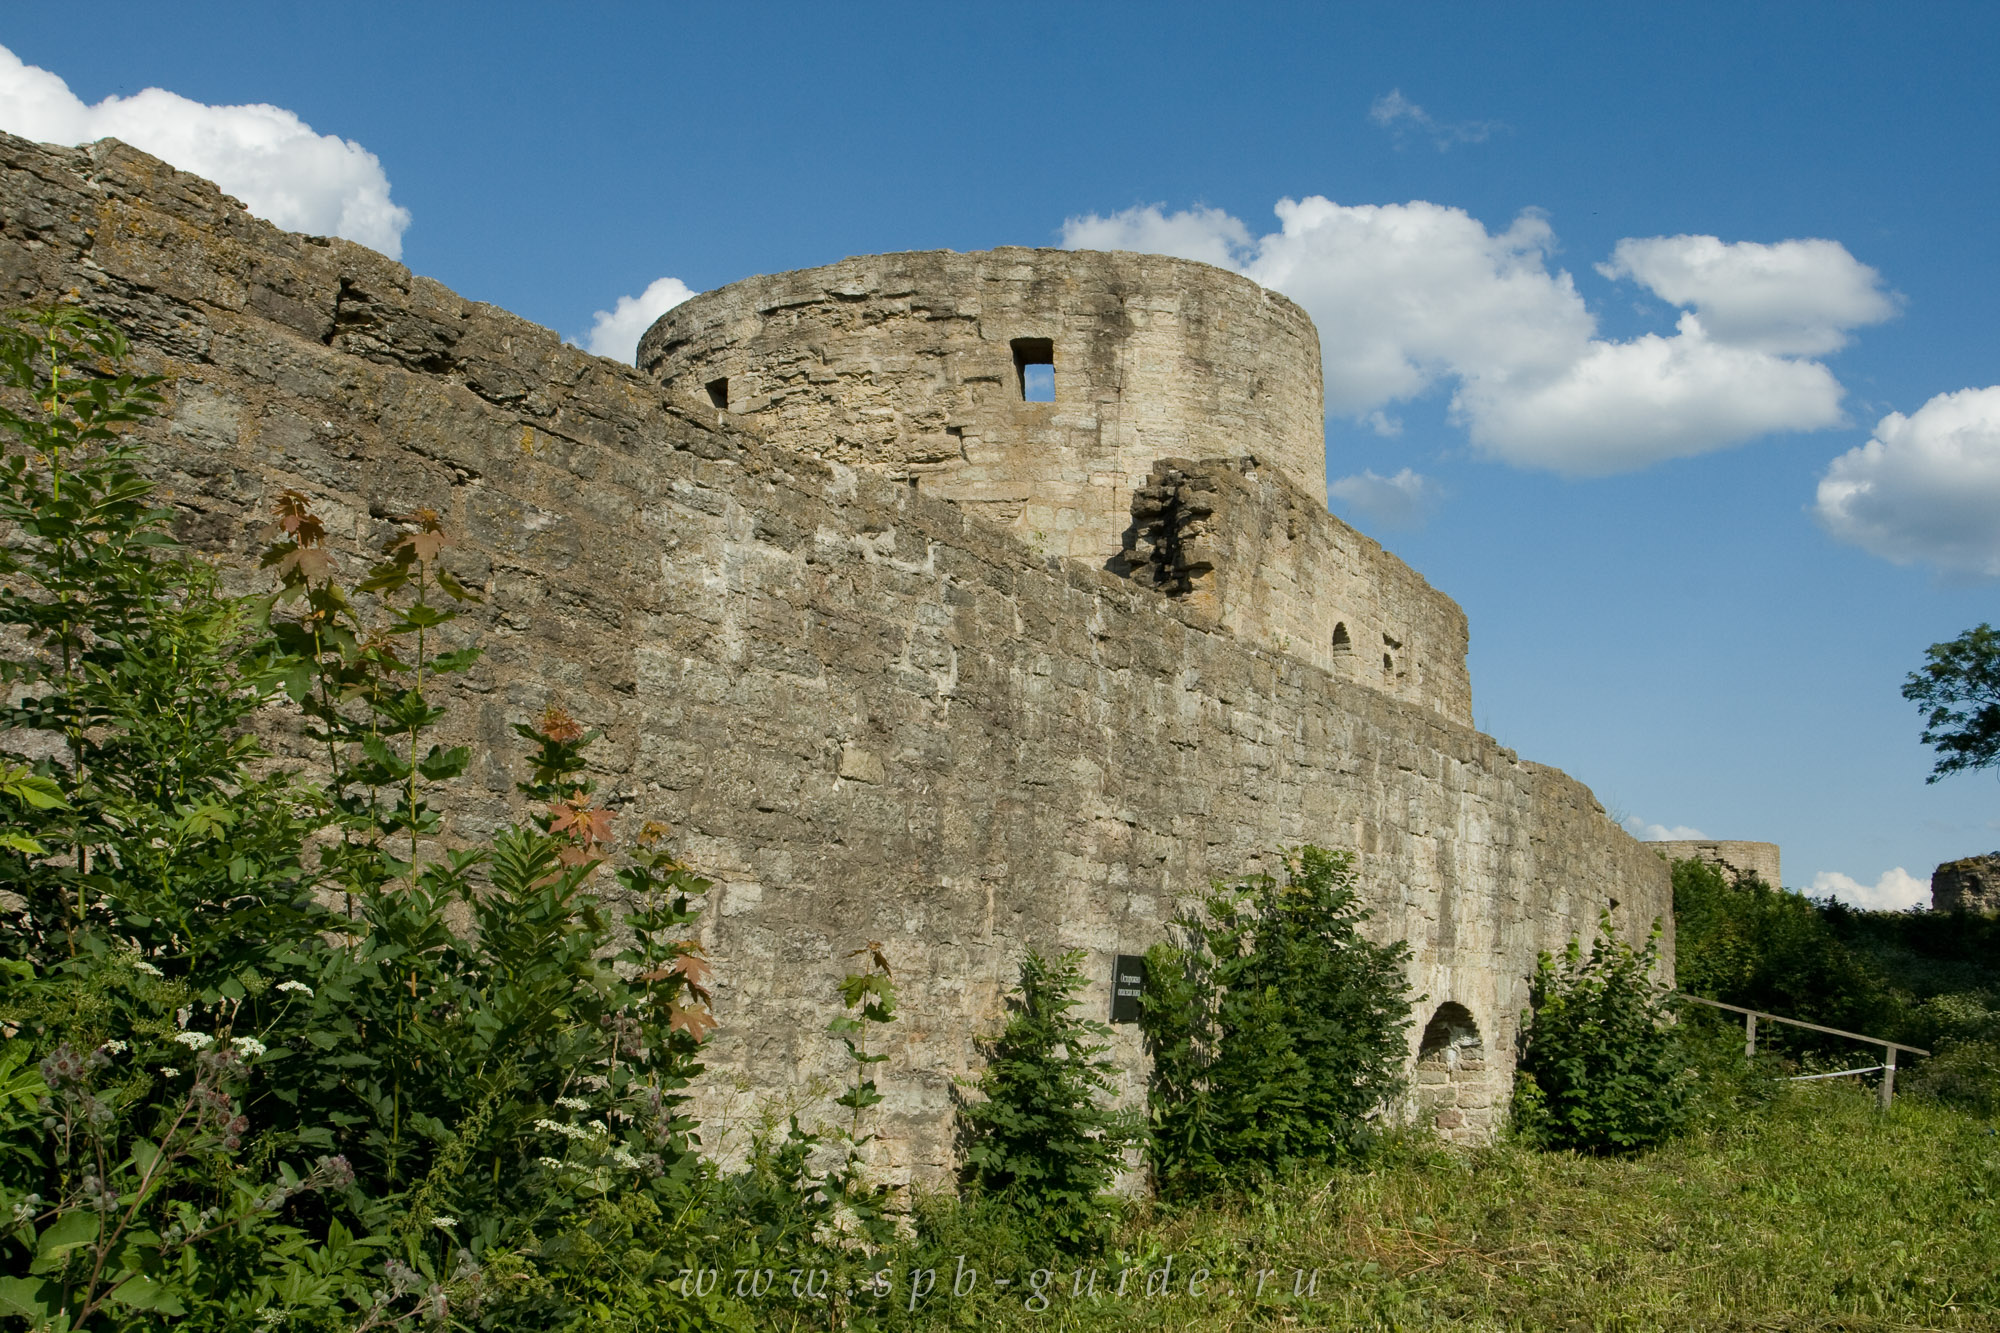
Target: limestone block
{"type": "Point", "coordinates": [860, 765]}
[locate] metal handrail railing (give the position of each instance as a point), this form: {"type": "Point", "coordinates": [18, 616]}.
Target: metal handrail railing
{"type": "Point", "coordinates": [1884, 1095]}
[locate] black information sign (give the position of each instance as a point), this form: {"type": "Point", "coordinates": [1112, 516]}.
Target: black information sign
{"type": "Point", "coordinates": [1128, 980]}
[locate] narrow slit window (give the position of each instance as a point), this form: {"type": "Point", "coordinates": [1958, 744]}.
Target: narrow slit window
{"type": "Point", "coordinates": [718, 392]}
{"type": "Point", "coordinates": [1341, 642]}
{"type": "Point", "coordinates": [1035, 365]}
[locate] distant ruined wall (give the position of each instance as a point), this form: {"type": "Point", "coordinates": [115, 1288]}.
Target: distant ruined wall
{"type": "Point", "coordinates": [911, 365]}
{"type": "Point", "coordinates": [1969, 884]}
{"type": "Point", "coordinates": [1737, 858]}
{"type": "Point", "coordinates": [869, 715]}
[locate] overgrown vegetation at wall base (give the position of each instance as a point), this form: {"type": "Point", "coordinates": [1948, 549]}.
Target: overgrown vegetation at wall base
{"type": "Point", "coordinates": [1746, 942]}
{"type": "Point", "coordinates": [1602, 1070]}
{"type": "Point", "coordinates": [1043, 1143]}
{"type": "Point", "coordinates": [1931, 979]}
{"type": "Point", "coordinates": [262, 1056]}
{"type": "Point", "coordinates": [1817, 1212]}
{"type": "Point", "coordinates": [1276, 1028]}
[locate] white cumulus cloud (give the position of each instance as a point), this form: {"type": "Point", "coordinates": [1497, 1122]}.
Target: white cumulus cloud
{"type": "Point", "coordinates": [1795, 298]}
{"type": "Point", "coordinates": [1648, 832]}
{"type": "Point", "coordinates": [617, 331]}
{"type": "Point", "coordinates": [1205, 234]}
{"type": "Point", "coordinates": [1401, 501]}
{"type": "Point", "coordinates": [264, 155]}
{"type": "Point", "coordinates": [1896, 890]}
{"type": "Point", "coordinates": [1410, 297]}
{"type": "Point", "coordinates": [1925, 486]}
{"type": "Point", "coordinates": [1623, 405]}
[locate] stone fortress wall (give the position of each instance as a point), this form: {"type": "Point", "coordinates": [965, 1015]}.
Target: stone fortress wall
{"type": "Point", "coordinates": [1738, 859]}
{"type": "Point", "coordinates": [870, 714]}
{"type": "Point", "coordinates": [914, 366]}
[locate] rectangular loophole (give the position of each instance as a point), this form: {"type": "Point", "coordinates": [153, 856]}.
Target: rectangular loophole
{"type": "Point", "coordinates": [1035, 365]}
{"type": "Point", "coordinates": [718, 392]}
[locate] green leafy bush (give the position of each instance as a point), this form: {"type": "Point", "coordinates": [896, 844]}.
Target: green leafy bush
{"type": "Point", "coordinates": [1750, 944]}
{"type": "Point", "coordinates": [1601, 1070]}
{"type": "Point", "coordinates": [1042, 1143]}
{"type": "Point", "coordinates": [264, 1056]}
{"type": "Point", "coordinates": [1276, 1027]}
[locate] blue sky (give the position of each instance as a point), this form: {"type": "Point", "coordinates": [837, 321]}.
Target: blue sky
{"type": "Point", "coordinates": [1615, 456]}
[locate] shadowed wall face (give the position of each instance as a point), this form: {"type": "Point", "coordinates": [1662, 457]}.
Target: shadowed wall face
{"type": "Point", "coordinates": [926, 366]}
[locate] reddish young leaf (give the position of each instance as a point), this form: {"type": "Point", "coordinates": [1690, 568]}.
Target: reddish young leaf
{"type": "Point", "coordinates": [557, 724]}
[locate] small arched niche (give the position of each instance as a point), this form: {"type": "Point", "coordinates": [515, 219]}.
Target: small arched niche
{"type": "Point", "coordinates": [1453, 1094]}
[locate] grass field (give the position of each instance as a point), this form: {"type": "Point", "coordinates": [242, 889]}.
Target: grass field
{"type": "Point", "coordinates": [1815, 1212]}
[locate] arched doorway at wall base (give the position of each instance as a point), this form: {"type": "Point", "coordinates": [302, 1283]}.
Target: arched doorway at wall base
{"type": "Point", "coordinates": [1453, 1092]}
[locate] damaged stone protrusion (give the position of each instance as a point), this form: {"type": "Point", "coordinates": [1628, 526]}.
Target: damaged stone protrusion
{"type": "Point", "coordinates": [1971, 884]}
{"type": "Point", "coordinates": [1169, 546]}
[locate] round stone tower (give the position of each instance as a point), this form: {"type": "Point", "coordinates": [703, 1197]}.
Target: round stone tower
{"type": "Point", "coordinates": [1035, 387]}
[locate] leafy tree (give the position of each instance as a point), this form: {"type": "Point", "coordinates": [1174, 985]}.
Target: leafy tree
{"type": "Point", "coordinates": [1958, 687]}
{"type": "Point", "coordinates": [1043, 1143]}
{"type": "Point", "coordinates": [1601, 1071]}
{"type": "Point", "coordinates": [1276, 1026]}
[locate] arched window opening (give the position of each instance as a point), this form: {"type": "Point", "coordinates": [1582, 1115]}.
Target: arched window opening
{"type": "Point", "coordinates": [1452, 1035]}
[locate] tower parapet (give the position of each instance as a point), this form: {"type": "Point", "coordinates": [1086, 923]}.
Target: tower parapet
{"type": "Point", "coordinates": [926, 365]}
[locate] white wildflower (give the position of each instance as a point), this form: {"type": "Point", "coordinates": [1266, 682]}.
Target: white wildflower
{"type": "Point", "coordinates": [247, 1047]}
{"type": "Point", "coordinates": [573, 1103]}
{"type": "Point", "coordinates": [626, 1159]}
{"type": "Point", "coordinates": [601, 1128]}
{"type": "Point", "coordinates": [168, 1071]}
{"type": "Point", "coordinates": [116, 1047]}
{"type": "Point", "coordinates": [552, 1163]}
{"type": "Point", "coordinates": [443, 1223]}
{"type": "Point", "coordinates": [567, 1131]}
{"type": "Point", "coordinates": [194, 1041]}
{"type": "Point", "coordinates": [141, 965]}
{"type": "Point", "coordinates": [298, 986]}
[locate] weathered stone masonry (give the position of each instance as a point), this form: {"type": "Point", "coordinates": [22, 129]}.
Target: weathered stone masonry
{"type": "Point", "coordinates": [870, 715]}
